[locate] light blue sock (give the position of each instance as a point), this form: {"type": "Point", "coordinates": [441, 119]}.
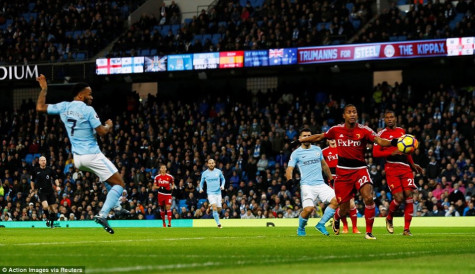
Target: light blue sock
{"type": "Point", "coordinates": [216, 216]}
{"type": "Point", "coordinates": [329, 212]}
{"type": "Point", "coordinates": [108, 187]}
{"type": "Point", "coordinates": [111, 200]}
{"type": "Point", "coordinates": [302, 222]}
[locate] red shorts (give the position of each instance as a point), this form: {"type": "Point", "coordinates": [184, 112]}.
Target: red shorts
{"type": "Point", "coordinates": [164, 199]}
{"type": "Point", "coordinates": [399, 178]}
{"type": "Point", "coordinates": [349, 181]}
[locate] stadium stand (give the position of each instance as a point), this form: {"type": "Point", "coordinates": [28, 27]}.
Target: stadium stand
{"type": "Point", "coordinates": [150, 133]}
{"type": "Point", "coordinates": [238, 25]}
{"type": "Point", "coordinates": [33, 31]}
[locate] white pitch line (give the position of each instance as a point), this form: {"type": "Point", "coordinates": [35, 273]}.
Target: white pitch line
{"type": "Point", "coordinates": [246, 262]}
{"type": "Point", "coordinates": [130, 240]}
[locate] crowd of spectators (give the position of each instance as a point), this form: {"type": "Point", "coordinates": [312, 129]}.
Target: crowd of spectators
{"type": "Point", "coordinates": [233, 25]}
{"type": "Point", "coordinates": [435, 19]}
{"type": "Point", "coordinates": [249, 139]}
{"type": "Point", "coordinates": [54, 30]}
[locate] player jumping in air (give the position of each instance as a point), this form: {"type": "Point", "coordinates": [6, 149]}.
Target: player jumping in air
{"type": "Point", "coordinates": [82, 123]}
{"type": "Point", "coordinates": [398, 173]}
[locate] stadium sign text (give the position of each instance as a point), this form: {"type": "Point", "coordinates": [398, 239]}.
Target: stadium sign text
{"type": "Point", "coordinates": [18, 72]}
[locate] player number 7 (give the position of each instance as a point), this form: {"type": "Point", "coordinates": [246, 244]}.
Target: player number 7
{"type": "Point", "coordinates": [74, 125]}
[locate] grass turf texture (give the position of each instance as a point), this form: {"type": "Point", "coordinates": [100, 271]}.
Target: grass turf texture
{"type": "Point", "coordinates": [241, 250]}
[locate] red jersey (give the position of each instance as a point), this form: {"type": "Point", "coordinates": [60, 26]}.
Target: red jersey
{"type": "Point", "coordinates": [379, 151]}
{"type": "Point", "coordinates": [330, 154]}
{"type": "Point", "coordinates": [164, 183]}
{"type": "Point", "coordinates": [351, 144]}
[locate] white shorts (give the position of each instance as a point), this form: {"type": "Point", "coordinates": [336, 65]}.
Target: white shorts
{"type": "Point", "coordinates": [96, 163]}
{"type": "Point", "coordinates": [310, 194]}
{"type": "Point", "coordinates": [215, 199]}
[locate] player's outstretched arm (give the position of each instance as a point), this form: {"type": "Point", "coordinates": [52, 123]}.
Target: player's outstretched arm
{"type": "Point", "coordinates": [312, 138]}
{"type": "Point", "coordinates": [41, 105]}
{"type": "Point", "coordinates": [104, 129]}
{"type": "Point", "coordinates": [385, 142]}
{"type": "Point", "coordinates": [327, 170]}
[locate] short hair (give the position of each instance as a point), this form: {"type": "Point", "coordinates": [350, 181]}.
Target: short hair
{"type": "Point", "coordinates": [347, 106]}
{"type": "Point", "coordinates": [304, 129]}
{"type": "Point", "coordinates": [389, 111]}
{"type": "Point", "coordinates": [77, 88]}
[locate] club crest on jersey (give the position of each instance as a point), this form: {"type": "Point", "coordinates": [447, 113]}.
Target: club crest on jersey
{"type": "Point", "coordinates": [358, 136]}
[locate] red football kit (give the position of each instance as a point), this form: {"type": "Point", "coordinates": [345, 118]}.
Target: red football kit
{"type": "Point", "coordinates": [352, 171]}
{"type": "Point", "coordinates": [164, 183]}
{"type": "Point", "coordinates": [330, 154]}
{"type": "Point", "coordinates": [398, 167]}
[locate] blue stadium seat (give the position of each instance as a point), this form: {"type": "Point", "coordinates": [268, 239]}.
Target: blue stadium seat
{"type": "Point", "coordinates": [31, 6]}
{"type": "Point", "coordinates": [29, 158]}
{"type": "Point", "coordinates": [458, 17]}
{"type": "Point", "coordinates": [188, 21]}
{"type": "Point", "coordinates": [215, 39]}
{"type": "Point", "coordinates": [145, 52]}
{"type": "Point", "coordinates": [223, 24]}
{"type": "Point", "coordinates": [402, 38]}
{"type": "Point", "coordinates": [356, 23]}
{"type": "Point", "coordinates": [349, 6]}
{"type": "Point", "coordinates": [80, 56]}
{"type": "Point", "coordinates": [77, 34]}
{"type": "Point", "coordinates": [393, 38]}
{"type": "Point", "coordinates": [68, 34]}
{"type": "Point", "coordinates": [164, 30]}
{"type": "Point", "coordinates": [175, 29]}
{"type": "Point", "coordinates": [153, 52]}
{"type": "Point", "coordinates": [201, 202]}
{"type": "Point", "coordinates": [182, 203]}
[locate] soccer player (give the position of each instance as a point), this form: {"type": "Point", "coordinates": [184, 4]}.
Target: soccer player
{"type": "Point", "coordinates": [330, 154]}
{"type": "Point", "coordinates": [352, 172]}
{"type": "Point", "coordinates": [164, 182]}
{"type": "Point", "coordinates": [215, 183]}
{"type": "Point", "coordinates": [82, 122]}
{"type": "Point", "coordinates": [399, 174]}
{"type": "Point", "coordinates": [42, 177]}
{"type": "Point", "coordinates": [310, 161]}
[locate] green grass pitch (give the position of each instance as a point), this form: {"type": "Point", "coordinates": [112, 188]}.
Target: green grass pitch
{"type": "Point", "coordinates": [240, 250]}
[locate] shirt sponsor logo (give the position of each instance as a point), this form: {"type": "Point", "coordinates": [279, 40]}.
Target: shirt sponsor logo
{"type": "Point", "coordinates": [349, 143]}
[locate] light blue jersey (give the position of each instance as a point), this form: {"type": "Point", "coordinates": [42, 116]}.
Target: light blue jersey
{"type": "Point", "coordinates": [80, 121]}
{"type": "Point", "coordinates": [309, 162]}
{"type": "Point", "coordinates": [214, 180]}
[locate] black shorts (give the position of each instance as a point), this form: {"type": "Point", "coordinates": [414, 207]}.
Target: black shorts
{"type": "Point", "coordinates": [48, 196]}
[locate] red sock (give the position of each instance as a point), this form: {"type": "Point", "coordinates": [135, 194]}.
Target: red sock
{"type": "Point", "coordinates": [393, 206]}
{"type": "Point", "coordinates": [162, 213]}
{"type": "Point", "coordinates": [353, 217]}
{"type": "Point", "coordinates": [345, 223]}
{"type": "Point", "coordinates": [169, 215]}
{"type": "Point", "coordinates": [369, 212]}
{"type": "Point", "coordinates": [336, 217]}
{"type": "Point", "coordinates": [408, 213]}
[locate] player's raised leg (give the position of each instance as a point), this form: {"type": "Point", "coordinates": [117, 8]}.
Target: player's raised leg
{"type": "Point", "coordinates": [118, 185]}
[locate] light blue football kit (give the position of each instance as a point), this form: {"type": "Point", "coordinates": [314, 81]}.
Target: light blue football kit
{"type": "Point", "coordinates": [312, 184]}
{"type": "Point", "coordinates": [80, 121]}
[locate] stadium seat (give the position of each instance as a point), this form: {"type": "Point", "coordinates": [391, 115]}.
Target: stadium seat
{"type": "Point", "coordinates": [153, 52]}
{"type": "Point", "coordinates": [201, 202]}
{"type": "Point", "coordinates": [175, 29]}
{"type": "Point", "coordinates": [188, 21]}
{"type": "Point", "coordinates": [29, 158]}
{"type": "Point", "coordinates": [145, 52]}
{"type": "Point", "coordinates": [77, 34]}
{"type": "Point", "coordinates": [80, 56]}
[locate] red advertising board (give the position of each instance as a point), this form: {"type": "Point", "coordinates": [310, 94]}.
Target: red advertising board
{"type": "Point", "coordinates": [375, 51]}
{"type": "Point", "coordinates": [231, 59]}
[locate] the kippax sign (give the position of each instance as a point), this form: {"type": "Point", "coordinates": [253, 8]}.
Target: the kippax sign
{"type": "Point", "coordinates": [18, 72]}
{"type": "Point", "coordinates": [374, 51]}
